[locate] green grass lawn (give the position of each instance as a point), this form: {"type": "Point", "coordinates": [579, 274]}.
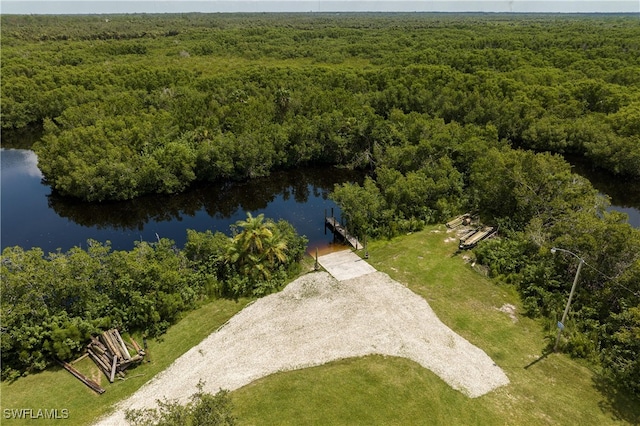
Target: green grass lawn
{"type": "Point", "coordinates": [376, 389]}
{"type": "Point", "coordinates": [382, 390]}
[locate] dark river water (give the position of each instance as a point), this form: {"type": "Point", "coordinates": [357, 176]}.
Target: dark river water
{"type": "Point", "coordinates": [32, 216]}
{"type": "Point", "coordinates": [624, 193]}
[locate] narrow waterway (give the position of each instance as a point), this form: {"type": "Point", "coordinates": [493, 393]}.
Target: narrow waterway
{"type": "Point", "coordinates": [33, 216]}
{"type": "Point", "coordinates": [624, 193]}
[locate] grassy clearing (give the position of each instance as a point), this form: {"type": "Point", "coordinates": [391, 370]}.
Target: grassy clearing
{"type": "Point", "coordinates": [379, 390]}
{"type": "Point", "coordinates": [365, 391]}
{"type": "Point", "coordinates": [55, 388]}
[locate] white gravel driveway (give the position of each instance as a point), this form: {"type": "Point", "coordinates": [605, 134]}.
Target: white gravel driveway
{"type": "Point", "coordinates": [314, 320]}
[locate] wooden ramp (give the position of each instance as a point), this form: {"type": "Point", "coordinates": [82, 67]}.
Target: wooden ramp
{"type": "Point", "coordinates": [340, 230]}
{"type": "Point", "coordinates": [84, 379]}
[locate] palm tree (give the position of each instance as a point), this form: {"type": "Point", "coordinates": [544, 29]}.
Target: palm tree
{"type": "Point", "coordinates": [275, 249]}
{"type": "Point", "coordinates": [258, 248]}
{"type": "Point", "coordinates": [251, 241]}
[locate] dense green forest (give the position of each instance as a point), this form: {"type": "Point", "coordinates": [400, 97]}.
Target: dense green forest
{"type": "Point", "coordinates": [52, 303]}
{"type": "Point", "coordinates": [137, 104]}
{"type": "Point", "coordinates": [448, 113]}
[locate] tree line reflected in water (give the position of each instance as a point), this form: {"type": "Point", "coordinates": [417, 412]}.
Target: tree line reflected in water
{"type": "Point", "coordinates": [219, 201]}
{"type": "Point", "coordinates": [624, 193]}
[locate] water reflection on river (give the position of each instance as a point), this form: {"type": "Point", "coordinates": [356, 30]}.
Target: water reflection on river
{"type": "Point", "coordinates": [32, 216]}
{"type": "Point", "coordinates": [624, 193]}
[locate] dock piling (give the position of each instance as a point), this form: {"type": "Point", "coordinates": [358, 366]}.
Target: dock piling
{"type": "Point", "coordinates": [339, 230]}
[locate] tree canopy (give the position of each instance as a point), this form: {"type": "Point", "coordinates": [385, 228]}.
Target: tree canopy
{"type": "Point", "coordinates": [137, 104]}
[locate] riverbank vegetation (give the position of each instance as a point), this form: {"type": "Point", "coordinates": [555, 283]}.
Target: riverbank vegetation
{"type": "Point", "coordinates": [543, 389]}
{"type": "Point", "coordinates": [52, 304]}
{"type": "Point", "coordinates": [138, 104]}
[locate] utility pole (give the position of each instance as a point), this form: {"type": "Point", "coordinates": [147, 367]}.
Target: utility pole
{"type": "Point", "coordinates": [573, 289]}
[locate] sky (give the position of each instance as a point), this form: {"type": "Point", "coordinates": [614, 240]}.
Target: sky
{"type": "Point", "coordinates": [184, 6]}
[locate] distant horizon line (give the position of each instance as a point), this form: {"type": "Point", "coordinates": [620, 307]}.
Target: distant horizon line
{"type": "Point", "coordinates": [103, 7]}
{"type": "Point", "coordinates": [324, 12]}
{"type": "Point", "coordinates": [337, 12]}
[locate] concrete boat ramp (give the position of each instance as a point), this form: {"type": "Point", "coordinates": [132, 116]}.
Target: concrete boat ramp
{"type": "Point", "coordinates": [344, 265]}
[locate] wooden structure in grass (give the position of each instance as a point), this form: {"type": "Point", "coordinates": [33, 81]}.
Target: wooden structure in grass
{"type": "Point", "coordinates": [84, 379]}
{"type": "Point", "coordinates": [464, 219]}
{"type": "Point", "coordinates": [474, 235]}
{"type": "Point", "coordinates": [111, 354]}
{"type": "Point", "coordinates": [472, 238]}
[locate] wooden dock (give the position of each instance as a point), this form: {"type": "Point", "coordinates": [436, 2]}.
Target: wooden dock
{"type": "Point", "coordinates": [340, 230]}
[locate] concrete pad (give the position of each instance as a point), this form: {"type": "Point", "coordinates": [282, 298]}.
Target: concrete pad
{"type": "Point", "coordinates": [344, 265]}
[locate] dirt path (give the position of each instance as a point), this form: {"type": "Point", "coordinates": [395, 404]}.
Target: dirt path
{"type": "Point", "coordinates": [314, 320]}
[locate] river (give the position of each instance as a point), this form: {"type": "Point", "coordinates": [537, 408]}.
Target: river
{"type": "Point", "coordinates": [624, 194]}
{"type": "Point", "coordinates": [33, 216]}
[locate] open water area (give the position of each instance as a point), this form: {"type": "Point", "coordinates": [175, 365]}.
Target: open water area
{"type": "Point", "coordinates": [33, 216]}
